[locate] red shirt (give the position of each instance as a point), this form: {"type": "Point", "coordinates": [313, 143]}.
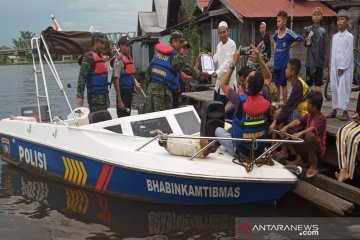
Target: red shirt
{"type": "Point", "coordinates": [319, 124]}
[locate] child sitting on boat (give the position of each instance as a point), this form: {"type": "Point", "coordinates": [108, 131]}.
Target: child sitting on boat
{"type": "Point", "coordinates": [313, 132]}
{"type": "Point", "coordinates": [296, 105]}
{"type": "Point", "coordinates": [250, 119]}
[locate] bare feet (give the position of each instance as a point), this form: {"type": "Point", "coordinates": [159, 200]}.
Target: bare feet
{"type": "Point", "coordinates": [298, 161]}
{"type": "Point", "coordinates": [311, 172]}
{"type": "Point", "coordinates": [342, 175]}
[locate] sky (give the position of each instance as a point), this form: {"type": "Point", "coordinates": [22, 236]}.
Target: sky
{"type": "Point", "coordinates": [34, 15]}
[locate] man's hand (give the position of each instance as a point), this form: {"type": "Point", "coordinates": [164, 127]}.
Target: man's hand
{"type": "Point", "coordinates": [120, 104]}
{"type": "Point", "coordinates": [214, 74]}
{"type": "Point", "coordinates": [283, 131]}
{"type": "Point", "coordinates": [340, 72]}
{"type": "Point", "coordinates": [137, 86]}
{"type": "Point", "coordinates": [255, 53]}
{"type": "Point", "coordinates": [205, 75]}
{"type": "Point", "coordinates": [297, 135]}
{"type": "Point", "coordinates": [236, 56]}
{"type": "Point", "coordinates": [272, 127]}
{"type": "Point", "coordinates": [80, 102]}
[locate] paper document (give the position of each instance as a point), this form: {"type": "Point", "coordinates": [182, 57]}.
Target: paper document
{"type": "Point", "coordinates": [207, 63]}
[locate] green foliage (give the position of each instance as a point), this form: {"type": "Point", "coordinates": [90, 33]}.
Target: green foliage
{"type": "Point", "coordinates": [192, 31]}
{"type": "Point", "coordinates": [189, 6]}
{"type": "Point", "coordinates": [24, 38]}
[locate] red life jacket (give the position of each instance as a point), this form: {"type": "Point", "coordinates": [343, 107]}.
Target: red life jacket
{"type": "Point", "coordinates": [129, 65]}
{"type": "Point", "coordinates": [97, 83]}
{"type": "Point", "coordinates": [127, 80]}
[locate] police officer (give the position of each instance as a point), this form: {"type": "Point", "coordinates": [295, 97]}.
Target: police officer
{"type": "Point", "coordinates": [164, 71]}
{"type": "Point", "coordinates": [94, 74]}
{"type": "Point", "coordinates": [124, 71]}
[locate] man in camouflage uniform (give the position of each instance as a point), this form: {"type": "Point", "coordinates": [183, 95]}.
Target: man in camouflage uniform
{"type": "Point", "coordinates": [96, 101]}
{"type": "Point", "coordinates": [159, 96]}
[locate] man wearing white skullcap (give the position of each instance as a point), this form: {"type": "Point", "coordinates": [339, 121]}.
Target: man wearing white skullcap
{"type": "Point", "coordinates": [223, 57]}
{"type": "Point", "coordinates": [341, 72]}
{"type": "Point", "coordinates": [265, 38]}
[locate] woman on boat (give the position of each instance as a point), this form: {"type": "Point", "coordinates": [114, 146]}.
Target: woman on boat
{"type": "Point", "coordinates": [347, 142]}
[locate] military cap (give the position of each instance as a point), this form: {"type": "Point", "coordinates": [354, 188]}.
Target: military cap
{"type": "Point", "coordinates": [99, 36]}
{"type": "Point", "coordinates": [177, 34]}
{"type": "Point", "coordinates": [343, 13]}
{"type": "Point", "coordinates": [124, 40]}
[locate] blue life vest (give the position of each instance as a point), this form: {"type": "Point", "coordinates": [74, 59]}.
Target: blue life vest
{"type": "Point", "coordinates": [180, 88]}
{"type": "Point", "coordinates": [127, 80]}
{"type": "Point", "coordinates": [161, 70]}
{"type": "Point", "coordinates": [250, 121]}
{"type": "Point", "coordinates": [97, 82]}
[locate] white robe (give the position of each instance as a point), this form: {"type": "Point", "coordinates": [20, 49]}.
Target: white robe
{"type": "Point", "coordinates": [223, 58]}
{"type": "Point", "coordinates": [341, 58]}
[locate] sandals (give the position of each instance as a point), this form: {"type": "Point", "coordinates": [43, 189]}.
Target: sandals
{"type": "Point", "coordinates": [344, 117]}
{"type": "Point", "coordinates": [332, 114]}
{"type": "Point", "coordinates": [279, 157]}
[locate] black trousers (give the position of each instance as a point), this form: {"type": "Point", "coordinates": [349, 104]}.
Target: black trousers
{"type": "Point", "coordinates": [126, 97]}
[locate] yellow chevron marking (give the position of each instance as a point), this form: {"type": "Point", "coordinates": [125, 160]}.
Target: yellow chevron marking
{"type": "Point", "coordinates": [70, 169]}
{"type": "Point", "coordinates": [75, 171]}
{"type": "Point", "coordinates": [85, 174]}
{"type": "Point", "coordinates": [79, 171]}
{"type": "Point", "coordinates": [66, 169]}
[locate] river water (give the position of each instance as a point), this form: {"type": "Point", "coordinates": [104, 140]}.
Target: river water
{"type": "Point", "coordinates": [32, 207]}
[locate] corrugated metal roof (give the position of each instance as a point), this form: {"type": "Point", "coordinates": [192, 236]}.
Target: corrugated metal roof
{"type": "Point", "coordinates": [154, 22]}
{"type": "Point", "coordinates": [270, 8]}
{"type": "Point", "coordinates": [148, 19]}
{"type": "Point", "coordinates": [161, 8]}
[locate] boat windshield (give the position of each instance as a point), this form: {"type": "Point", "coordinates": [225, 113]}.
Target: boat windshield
{"type": "Point", "coordinates": [187, 121]}
{"type": "Point", "coordinates": [145, 128]}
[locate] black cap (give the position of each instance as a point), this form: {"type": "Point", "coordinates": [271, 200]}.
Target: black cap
{"type": "Point", "coordinates": [186, 44]}
{"type": "Point", "coordinates": [124, 40]}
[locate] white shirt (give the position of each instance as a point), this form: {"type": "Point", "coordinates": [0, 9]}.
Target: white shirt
{"type": "Point", "coordinates": [223, 57]}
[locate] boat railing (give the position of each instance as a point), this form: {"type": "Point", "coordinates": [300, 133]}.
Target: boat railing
{"type": "Point", "coordinates": [44, 54]}
{"type": "Point", "coordinates": [163, 137]}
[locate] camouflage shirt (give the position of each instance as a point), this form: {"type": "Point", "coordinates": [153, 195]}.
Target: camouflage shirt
{"type": "Point", "coordinates": [87, 66]}
{"type": "Point", "coordinates": [180, 63]}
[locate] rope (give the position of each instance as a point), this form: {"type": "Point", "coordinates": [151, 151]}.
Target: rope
{"type": "Point", "coordinates": [248, 164]}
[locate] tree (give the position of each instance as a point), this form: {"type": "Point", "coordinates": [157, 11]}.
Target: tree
{"type": "Point", "coordinates": [25, 37]}
{"type": "Point", "coordinates": [192, 31]}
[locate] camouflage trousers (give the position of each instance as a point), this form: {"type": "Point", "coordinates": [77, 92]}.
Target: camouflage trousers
{"type": "Point", "coordinates": [159, 98]}
{"type": "Point", "coordinates": [98, 102]}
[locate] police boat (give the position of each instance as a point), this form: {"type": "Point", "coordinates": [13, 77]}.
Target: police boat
{"type": "Point", "coordinates": [169, 156]}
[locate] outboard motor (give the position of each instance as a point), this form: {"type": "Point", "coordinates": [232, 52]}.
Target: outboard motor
{"type": "Point", "coordinates": [34, 112]}
{"type": "Point", "coordinates": [213, 116]}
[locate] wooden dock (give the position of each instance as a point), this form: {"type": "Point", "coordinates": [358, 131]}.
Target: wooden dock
{"type": "Point", "coordinates": [197, 98]}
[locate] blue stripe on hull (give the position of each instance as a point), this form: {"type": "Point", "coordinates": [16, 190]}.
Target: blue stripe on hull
{"type": "Point", "coordinates": [103, 177]}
